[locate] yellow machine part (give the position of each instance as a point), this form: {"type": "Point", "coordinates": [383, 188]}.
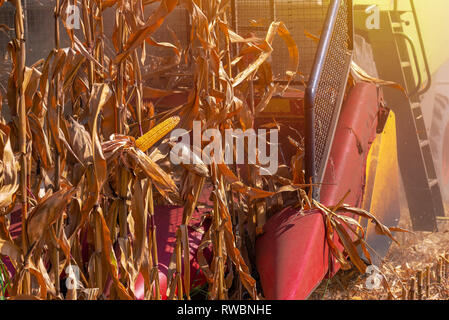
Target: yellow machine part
{"type": "Point", "coordinates": [382, 191]}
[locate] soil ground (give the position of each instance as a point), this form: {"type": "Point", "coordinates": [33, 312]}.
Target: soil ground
{"type": "Point", "coordinates": [416, 252]}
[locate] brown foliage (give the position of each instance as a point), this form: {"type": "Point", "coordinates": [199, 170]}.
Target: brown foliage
{"type": "Point", "coordinates": [78, 172]}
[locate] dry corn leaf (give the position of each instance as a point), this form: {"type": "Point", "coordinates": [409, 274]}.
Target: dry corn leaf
{"type": "Point", "coordinates": [8, 169]}
{"type": "Point", "coordinates": [153, 23]}
{"type": "Point", "coordinates": [10, 250]}
{"type": "Point", "coordinates": [47, 212]}
{"type": "Point", "coordinates": [362, 75]}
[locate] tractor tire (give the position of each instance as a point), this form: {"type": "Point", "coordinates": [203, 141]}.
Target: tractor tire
{"type": "Point", "coordinates": [439, 139]}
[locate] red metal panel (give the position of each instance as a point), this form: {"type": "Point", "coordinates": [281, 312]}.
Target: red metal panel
{"type": "Point", "coordinates": [353, 138]}
{"type": "Point", "coordinates": [168, 219]}
{"type": "Point", "coordinates": [292, 256]}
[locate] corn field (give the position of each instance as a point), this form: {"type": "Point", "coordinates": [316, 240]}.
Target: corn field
{"type": "Point", "coordinates": [84, 166]}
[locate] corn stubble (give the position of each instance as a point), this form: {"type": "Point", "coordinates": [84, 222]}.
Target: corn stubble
{"type": "Point", "coordinates": [85, 177]}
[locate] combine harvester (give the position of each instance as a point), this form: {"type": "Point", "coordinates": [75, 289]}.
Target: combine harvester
{"type": "Point", "coordinates": [375, 145]}
{"type": "Point", "coordinates": [364, 144]}
{"type": "Point", "coordinates": [369, 141]}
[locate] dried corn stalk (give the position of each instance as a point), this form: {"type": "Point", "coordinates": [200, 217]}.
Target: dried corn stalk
{"type": "Point", "coordinates": [90, 179]}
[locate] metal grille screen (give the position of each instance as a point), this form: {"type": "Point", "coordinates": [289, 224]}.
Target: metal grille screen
{"type": "Point", "coordinates": [331, 85]}
{"type": "Point", "coordinates": [7, 19]}
{"type": "Point", "coordinates": [39, 28]}
{"type": "Point", "coordinates": [298, 15]}
{"type": "Point", "coordinates": [176, 28]}
{"type": "Point", "coordinates": [251, 16]}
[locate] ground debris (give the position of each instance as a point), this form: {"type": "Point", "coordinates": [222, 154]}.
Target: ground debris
{"type": "Point", "coordinates": [419, 251]}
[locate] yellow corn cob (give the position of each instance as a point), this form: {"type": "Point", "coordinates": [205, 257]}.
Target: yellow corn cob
{"type": "Point", "coordinates": [146, 141]}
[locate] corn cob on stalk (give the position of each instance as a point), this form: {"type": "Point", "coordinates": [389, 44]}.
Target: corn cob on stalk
{"type": "Point", "coordinates": [146, 141]}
